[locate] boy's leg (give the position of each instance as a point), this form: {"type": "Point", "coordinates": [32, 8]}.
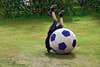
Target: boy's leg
{"type": "Point", "coordinates": [54, 18]}
{"type": "Point", "coordinates": [61, 19]}
{"type": "Point", "coordinates": [52, 27]}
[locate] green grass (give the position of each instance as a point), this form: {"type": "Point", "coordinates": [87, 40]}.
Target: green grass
{"type": "Point", "coordinates": [22, 43]}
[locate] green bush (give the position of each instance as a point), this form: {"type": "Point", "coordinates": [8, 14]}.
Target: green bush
{"type": "Point", "coordinates": [14, 8]}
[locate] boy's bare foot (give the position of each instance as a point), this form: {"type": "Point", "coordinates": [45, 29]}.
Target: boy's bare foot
{"type": "Point", "coordinates": [61, 13]}
{"type": "Point", "coordinates": [52, 8]}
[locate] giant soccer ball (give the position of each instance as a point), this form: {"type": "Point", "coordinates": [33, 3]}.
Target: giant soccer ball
{"type": "Point", "coordinates": [62, 41]}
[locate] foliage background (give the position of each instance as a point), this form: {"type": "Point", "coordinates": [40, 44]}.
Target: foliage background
{"type": "Point", "coordinates": [16, 8]}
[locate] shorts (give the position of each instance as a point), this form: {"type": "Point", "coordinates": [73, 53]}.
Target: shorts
{"type": "Point", "coordinates": [53, 27]}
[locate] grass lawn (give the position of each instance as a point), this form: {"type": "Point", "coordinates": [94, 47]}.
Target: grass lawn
{"type": "Point", "coordinates": [22, 43]}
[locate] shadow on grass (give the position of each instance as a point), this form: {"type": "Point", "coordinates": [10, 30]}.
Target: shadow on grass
{"type": "Point", "coordinates": [69, 56]}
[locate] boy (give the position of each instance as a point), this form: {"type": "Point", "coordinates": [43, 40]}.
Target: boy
{"type": "Point", "coordinates": [54, 26]}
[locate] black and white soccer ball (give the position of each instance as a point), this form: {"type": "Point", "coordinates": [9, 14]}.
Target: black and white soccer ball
{"type": "Point", "coordinates": [62, 41]}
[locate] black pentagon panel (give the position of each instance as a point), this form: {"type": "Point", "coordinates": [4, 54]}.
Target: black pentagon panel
{"type": "Point", "coordinates": [53, 36]}
{"type": "Point", "coordinates": [62, 46]}
{"type": "Point", "coordinates": [74, 43]}
{"type": "Point", "coordinates": [66, 33]}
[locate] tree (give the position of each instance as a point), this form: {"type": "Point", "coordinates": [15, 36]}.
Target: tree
{"type": "Point", "coordinates": [30, 7]}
